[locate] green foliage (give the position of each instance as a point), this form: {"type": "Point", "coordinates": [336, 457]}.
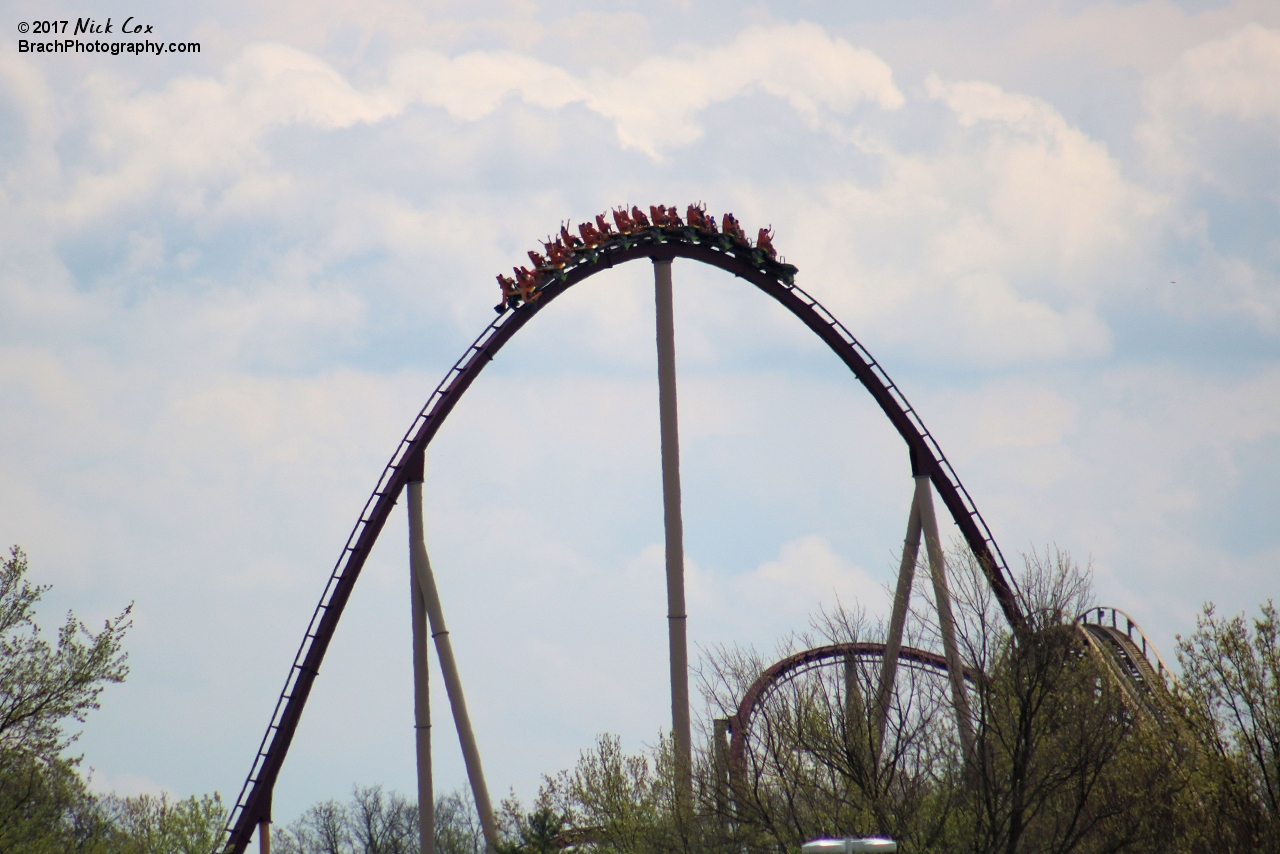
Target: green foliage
{"type": "Point", "coordinates": [45, 805]}
{"type": "Point", "coordinates": [612, 801]}
{"type": "Point", "coordinates": [538, 832]}
{"type": "Point", "coordinates": [1231, 687]}
{"type": "Point", "coordinates": [149, 824]}
{"type": "Point", "coordinates": [1067, 758]}
{"type": "Point", "coordinates": [457, 825]}
{"type": "Point", "coordinates": [43, 685]}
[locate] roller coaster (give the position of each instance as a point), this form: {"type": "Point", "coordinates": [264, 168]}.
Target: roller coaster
{"type": "Point", "coordinates": [661, 236]}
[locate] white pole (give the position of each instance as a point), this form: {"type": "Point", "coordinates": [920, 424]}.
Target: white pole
{"type": "Point", "coordinates": [421, 682]}
{"type": "Point", "coordinates": [901, 598]}
{"type": "Point", "coordinates": [448, 667]}
{"type": "Point", "coordinates": [674, 528]}
{"type": "Point", "coordinates": [946, 622]}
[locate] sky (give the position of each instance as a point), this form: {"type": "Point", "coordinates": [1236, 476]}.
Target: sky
{"type": "Point", "coordinates": [230, 278]}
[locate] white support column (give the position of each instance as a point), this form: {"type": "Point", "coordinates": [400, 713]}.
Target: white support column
{"type": "Point", "coordinates": [901, 598]}
{"type": "Point", "coordinates": [421, 681]}
{"type": "Point", "coordinates": [448, 667]}
{"type": "Point", "coordinates": [923, 521]}
{"type": "Point", "coordinates": [674, 527]}
{"type": "Point", "coordinates": [855, 712]}
{"type": "Point", "coordinates": [946, 622]}
{"type": "Point", "coordinates": [720, 765]}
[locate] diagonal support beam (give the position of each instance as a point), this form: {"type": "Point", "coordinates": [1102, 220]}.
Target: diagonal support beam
{"type": "Point", "coordinates": [946, 622]}
{"type": "Point", "coordinates": [421, 566]}
{"type": "Point", "coordinates": [898, 619]}
{"type": "Point", "coordinates": [922, 520]}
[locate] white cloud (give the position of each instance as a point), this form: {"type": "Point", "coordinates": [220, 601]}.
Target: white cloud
{"type": "Point", "coordinates": [206, 132]}
{"type": "Point", "coordinates": [473, 85]}
{"type": "Point", "coordinates": [993, 245]}
{"type": "Point", "coordinates": [1210, 133]}
{"type": "Point", "coordinates": [655, 104]}
{"type": "Point", "coordinates": [808, 575]}
{"type": "Point", "coordinates": [1231, 78]}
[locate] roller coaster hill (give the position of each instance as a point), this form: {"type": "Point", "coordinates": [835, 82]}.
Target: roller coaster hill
{"type": "Point", "coordinates": [566, 259]}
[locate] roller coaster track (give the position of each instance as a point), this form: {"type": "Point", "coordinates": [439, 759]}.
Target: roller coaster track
{"type": "Point", "coordinates": [802, 662]}
{"type": "Point", "coordinates": [1118, 641]}
{"type": "Point", "coordinates": [1133, 659]}
{"type": "Point", "coordinates": [736, 256]}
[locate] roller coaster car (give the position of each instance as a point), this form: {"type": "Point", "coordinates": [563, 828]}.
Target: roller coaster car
{"type": "Point", "coordinates": [623, 219]}
{"type": "Point", "coordinates": [590, 236]}
{"type": "Point", "coordinates": [697, 217]}
{"type": "Point", "coordinates": [527, 282]}
{"type": "Point", "coordinates": [729, 225]}
{"type": "Point", "coordinates": [526, 287]}
{"type": "Point", "coordinates": [664, 216]}
{"type": "Point", "coordinates": [765, 242]}
{"type": "Point", "coordinates": [556, 253]}
{"type": "Point", "coordinates": [510, 294]}
{"type": "Point", "coordinates": [568, 239]}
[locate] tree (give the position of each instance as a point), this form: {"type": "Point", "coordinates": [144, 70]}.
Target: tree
{"type": "Point", "coordinates": [809, 769]}
{"type": "Point", "coordinates": [45, 807]}
{"type": "Point", "coordinates": [44, 804]}
{"type": "Point", "coordinates": [1231, 685]}
{"type": "Point", "coordinates": [150, 824]}
{"type": "Point", "coordinates": [537, 832]}
{"type": "Point", "coordinates": [323, 829]}
{"type": "Point", "coordinates": [458, 829]}
{"type": "Point", "coordinates": [611, 801]}
{"type": "Point", "coordinates": [376, 821]}
{"type": "Point", "coordinates": [383, 823]}
{"type": "Point", "coordinates": [1066, 760]}
{"type": "Point", "coordinates": [41, 685]}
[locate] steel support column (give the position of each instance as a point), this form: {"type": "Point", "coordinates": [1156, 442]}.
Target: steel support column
{"type": "Point", "coordinates": [421, 681]}
{"type": "Point", "coordinates": [946, 622]}
{"type": "Point", "coordinates": [720, 765]}
{"type": "Point", "coordinates": [674, 527]}
{"type": "Point", "coordinates": [421, 566]}
{"type": "Point", "coordinates": [901, 598]}
{"type": "Point", "coordinates": [922, 520]}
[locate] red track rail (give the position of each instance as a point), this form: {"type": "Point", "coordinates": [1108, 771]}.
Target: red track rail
{"type": "Point", "coordinates": [803, 661]}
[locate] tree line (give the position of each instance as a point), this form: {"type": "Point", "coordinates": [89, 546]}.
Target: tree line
{"type": "Point", "coordinates": [46, 805]}
{"type": "Point", "coordinates": [1065, 755]}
